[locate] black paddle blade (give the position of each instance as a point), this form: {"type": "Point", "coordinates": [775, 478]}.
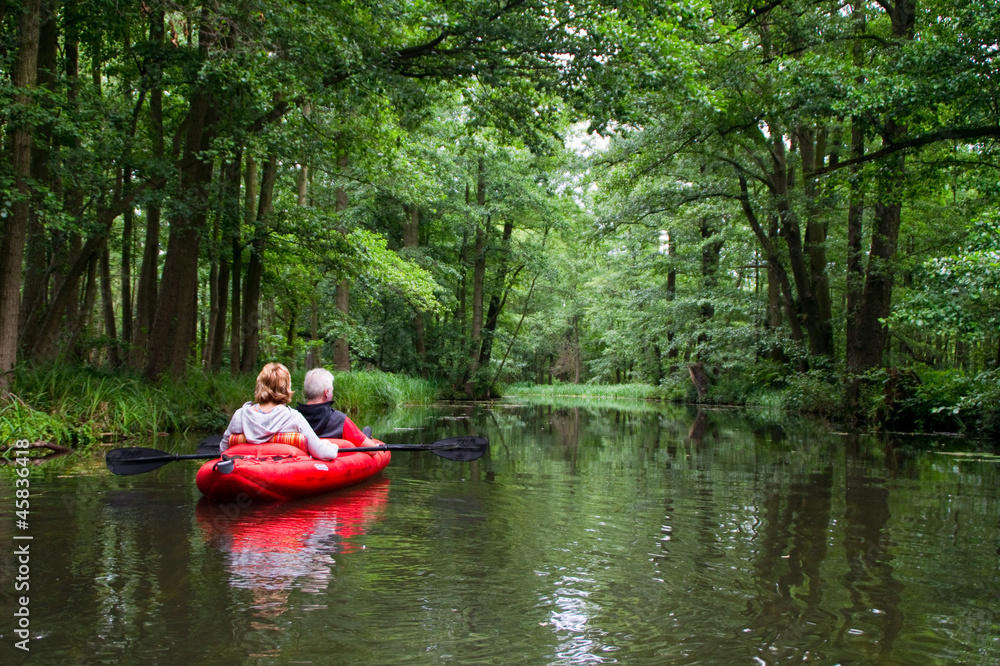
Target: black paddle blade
{"type": "Point", "coordinates": [461, 449]}
{"type": "Point", "coordinates": [210, 444]}
{"type": "Point", "coordinates": [136, 460]}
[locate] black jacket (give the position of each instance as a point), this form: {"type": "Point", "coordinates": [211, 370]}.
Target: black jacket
{"type": "Point", "coordinates": [324, 419]}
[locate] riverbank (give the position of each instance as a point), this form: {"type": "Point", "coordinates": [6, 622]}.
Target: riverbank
{"type": "Point", "coordinates": [923, 401]}
{"type": "Point", "coordinates": [78, 406]}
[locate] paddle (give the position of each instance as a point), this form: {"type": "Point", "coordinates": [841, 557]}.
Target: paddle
{"type": "Point", "coordinates": [138, 460]}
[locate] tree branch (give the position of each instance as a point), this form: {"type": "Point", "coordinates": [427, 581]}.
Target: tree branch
{"type": "Point", "coordinates": [916, 142]}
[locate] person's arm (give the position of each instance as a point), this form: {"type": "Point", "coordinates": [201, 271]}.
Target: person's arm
{"type": "Point", "coordinates": [354, 435]}
{"type": "Point", "coordinates": [231, 429]}
{"type": "Point", "coordinates": [317, 448]}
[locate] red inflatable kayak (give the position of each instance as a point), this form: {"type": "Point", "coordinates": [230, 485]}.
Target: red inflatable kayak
{"type": "Point", "coordinates": [282, 470]}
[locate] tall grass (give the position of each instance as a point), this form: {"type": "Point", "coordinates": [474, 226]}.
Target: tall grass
{"type": "Point", "coordinates": [630, 391]}
{"type": "Point", "coordinates": [78, 405]}
{"type": "Point", "coordinates": [356, 391]}
{"type": "Point", "coordinates": [20, 421]}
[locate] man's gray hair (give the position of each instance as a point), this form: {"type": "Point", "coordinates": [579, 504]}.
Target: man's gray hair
{"type": "Point", "coordinates": [315, 382]}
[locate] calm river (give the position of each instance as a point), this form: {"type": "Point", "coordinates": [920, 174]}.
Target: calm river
{"type": "Point", "coordinates": [591, 533]}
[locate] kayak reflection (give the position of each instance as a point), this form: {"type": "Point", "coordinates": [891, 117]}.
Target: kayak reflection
{"type": "Point", "coordinates": [290, 545]}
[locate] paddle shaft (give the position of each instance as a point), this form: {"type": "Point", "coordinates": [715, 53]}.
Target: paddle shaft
{"type": "Point", "coordinates": [168, 457]}
{"type": "Point", "coordinates": [138, 460]}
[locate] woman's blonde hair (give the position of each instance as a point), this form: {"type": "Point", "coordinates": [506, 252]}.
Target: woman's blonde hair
{"type": "Point", "coordinates": [274, 384]}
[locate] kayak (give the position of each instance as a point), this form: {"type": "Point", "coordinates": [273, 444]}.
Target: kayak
{"type": "Point", "coordinates": [281, 469]}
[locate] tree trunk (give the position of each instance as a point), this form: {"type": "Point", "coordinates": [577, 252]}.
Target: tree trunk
{"type": "Point", "coordinates": [867, 337]}
{"type": "Point", "coordinates": [578, 356]}
{"type": "Point", "coordinates": [229, 215]}
{"type": "Point", "coordinates": [314, 356]}
{"type": "Point", "coordinates": [710, 250]}
{"type": "Point", "coordinates": [172, 332]}
{"type": "Point", "coordinates": [36, 272]}
{"type": "Point", "coordinates": [671, 265]}
{"type": "Point", "coordinates": [462, 293]}
{"type": "Point", "coordinates": [780, 185]}
{"type": "Point", "coordinates": [108, 307]}
{"type": "Point", "coordinates": [145, 304]}
{"type": "Point", "coordinates": [700, 379]}
{"type": "Point", "coordinates": [342, 296]}
{"type": "Point", "coordinates": [341, 345]}
{"type": "Point", "coordinates": [66, 295]}
{"type": "Point", "coordinates": [78, 327]}
{"type": "Point", "coordinates": [478, 282]}
{"type": "Point", "coordinates": [219, 334]}
{"type": "Point", "coordinates": [249, 218]}
{"type": "Point", "coordinates": [671, 288]}
{"type": "Point", "coordinates": [499, 297]}
{"type": "Point", "coordinates": [775, 296]}
{"type": "Point", "coordinates": [411, 239]}
{"type": "Point", "coordinates": [128, 219]}
{"type": "Point", "coordinates": [255, 267]}
{"type": "Point", "coordinates": [812, 150]}
{"type": "Point", "coordinates": [20, 135]}
{"type": "Point", "coordinates": [774, 264]}
{"type": "Point", "coordinates": [214, 290]}
{"type": "Point", "coordinates": [218, 278]}
{"type": "Point", "coordinates": [293, 316]}
{"type": "Point", "coordinates": [146, 293]}
{"type": "Point", "coordinates": [855, 232]}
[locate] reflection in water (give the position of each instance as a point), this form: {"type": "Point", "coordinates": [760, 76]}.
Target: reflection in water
{"type": "Point", "coordinates": [272, 549]}
{"type": "Point", "coordinates": [874, 594]}
{"type": "Point", "coordinates": [645, 534]}
{"type": "Point", "coordinates": [291, 544]}
{"type": "Point", "coordinates": [788, 616]}
{"type": "Point", "coordinates": [571, 617]}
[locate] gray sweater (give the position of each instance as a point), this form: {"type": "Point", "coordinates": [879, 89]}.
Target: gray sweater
{"type": "Point", "coordinates": [258, 427]}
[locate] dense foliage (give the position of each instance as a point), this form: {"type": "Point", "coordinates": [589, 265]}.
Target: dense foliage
{"type": "Point", "coordinates": [726, 201]}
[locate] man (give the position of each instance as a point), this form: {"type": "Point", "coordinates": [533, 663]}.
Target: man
{"type": "Point", "coordinates": [320, 414]}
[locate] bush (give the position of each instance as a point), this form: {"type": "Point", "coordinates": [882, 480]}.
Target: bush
{"type": "Point", "coordinates": [812, 393]}
{"type": "Point", "coordinates": [981, 405]}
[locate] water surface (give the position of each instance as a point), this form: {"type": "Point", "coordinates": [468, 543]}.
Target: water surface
{"type": "Point", "coordinates": [591, 533]}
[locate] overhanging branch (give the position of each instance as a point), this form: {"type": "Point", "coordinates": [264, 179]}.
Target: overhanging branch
{"type": "Point", "coordinates": [992, 131]}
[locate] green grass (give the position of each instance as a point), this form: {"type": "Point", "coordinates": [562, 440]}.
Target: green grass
{"type": "Point", "coordinates": [74, 405]}
{"type": "Point", "coordinates": [375, 392]}
{"type": "Point", "coordinates": [630, 391]}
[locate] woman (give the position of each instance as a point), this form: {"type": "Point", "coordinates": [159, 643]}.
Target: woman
{"type": "Point", "coordinates": [260, 421]}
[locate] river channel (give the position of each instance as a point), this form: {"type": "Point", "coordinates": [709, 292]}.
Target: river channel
{"type": "Point", "coordinates": [590, 533]}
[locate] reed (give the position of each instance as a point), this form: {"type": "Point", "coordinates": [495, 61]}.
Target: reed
{"type": "Point", "coordinates": [356, 391]}
{"type": "Point", "coordinates": [75, 405]}
{"type": "Point", "coordinates": [630, 391]}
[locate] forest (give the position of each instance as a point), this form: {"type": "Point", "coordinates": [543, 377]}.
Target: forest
{"type": "Point", "coordinates": [786, 203]}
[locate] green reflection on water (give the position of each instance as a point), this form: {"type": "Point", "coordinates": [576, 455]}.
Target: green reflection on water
{"type": "Point", "coordinates": [591, 533]}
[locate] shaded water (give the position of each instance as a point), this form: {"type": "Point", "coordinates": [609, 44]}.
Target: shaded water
{"type": "Point", "coordinates": [589, 534]}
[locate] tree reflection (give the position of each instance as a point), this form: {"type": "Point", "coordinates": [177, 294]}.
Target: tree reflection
{"type": "Point", "coordinates": [787, 610]}
{"type": "Point", "coordinates": [875, 595]}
